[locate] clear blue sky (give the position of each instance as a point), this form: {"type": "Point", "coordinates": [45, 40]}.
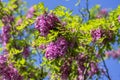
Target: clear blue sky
{"type": "Point", "coordinates": [113, 65]}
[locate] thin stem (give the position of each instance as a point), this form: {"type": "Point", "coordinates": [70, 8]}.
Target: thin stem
{"type": "Point", "coordinates": [108, 76]}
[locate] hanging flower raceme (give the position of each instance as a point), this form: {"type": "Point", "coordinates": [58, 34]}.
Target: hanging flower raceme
{"type": "Point", "coordinates": [93, 69]}
{"type": "Point", "coordinates": [7, 71]}
{"type": "Point", "coordinates": [56, 49]}
{"type": "Point", "coordinates": [6, 20]}
{"type": "Point", "coordinates": [81, 60]}
{"type": "Point", "coordinates": [2, 60]}
{"type": "Point", "coordinates": [65, 71]}
{"type": "Point", "coordinates": [44, 23]}
{"type": "Point", "coordinates": [30, 13]}
{"type": "Point", "coordinates": [5, 35]}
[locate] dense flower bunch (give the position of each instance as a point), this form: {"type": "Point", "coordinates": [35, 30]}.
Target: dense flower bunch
{"type": "Point", "coordinates": [7, 20]}
{"type": "Point", "coordinates": [93, 69]}
{"type": "Point", "coordinates": [7, 71]}
{"type": "Point", "coordinates": [5, 35]}
{"type": "Point", "coordinates": [82, 70]}
{"type": "Point", "coordinates": [65, 71]}
{"type": "Point", "coordinates": [99, 33]}
{"type": "Point", "coordinates": [44, 23]}
{"type": "Point", "coordinates": [56, 49]}
{"type": "Point", "coordinates": [96, 34]}
{"type": "Point", "coordinates": [2, 60]}
{"type": "Point", "coordinates": [113, 53]}
{"type": "Point", "coordinates": [30, 12]}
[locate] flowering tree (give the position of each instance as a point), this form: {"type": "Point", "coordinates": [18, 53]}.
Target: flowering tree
{"type": "Point", "coordinates": [69, 46]}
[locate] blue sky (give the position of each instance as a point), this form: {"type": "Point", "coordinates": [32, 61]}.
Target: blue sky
{"type": "Point", "coordinates": [112, 64]}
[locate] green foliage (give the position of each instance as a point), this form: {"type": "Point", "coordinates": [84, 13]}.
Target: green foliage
{"type": "Point", "coordinates": [73, 30]}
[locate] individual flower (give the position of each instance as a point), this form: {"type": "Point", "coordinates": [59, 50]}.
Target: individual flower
{"type": "Point", "coordinates": [56, 49]}
{"type": "Point", "coordinates": [30, 12]}
{"type": "Point", "coordinates": [44, 23]}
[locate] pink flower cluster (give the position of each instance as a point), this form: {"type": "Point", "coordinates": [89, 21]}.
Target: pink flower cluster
{"type": "Point", "coordinates": [7, 71]}
{"type": "Point", "coordinates": [96, 34]}
{"type": "Point", "coordinates": [113, 53]}
{"type": "Point", "coordinates": [56, 49]}
{"type": "Point", "coordinates": [44, 23]}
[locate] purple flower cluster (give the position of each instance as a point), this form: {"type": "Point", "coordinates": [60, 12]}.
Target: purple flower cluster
{"type": "Point", "coordinates": [93, 69]}
{"type": "Point", "coordinates": [56, 49]}
{"type": "Point", "coordinates": [96, 34]}
{"type": "Point", "coordinates": [2, 60]}
{"type": "Point", "coordinates": [81, 60]}
{"type": "Point", "coordinates": [5, 34]}
{"type": "Point", "coordinates": [8, 72]}
{"type": "Point", "coordinates": [45, 23]}
{"type": "Point", "coordinates": [7, 20]}
{"type": "Point", "coordinates": [65, 71]}
{"type": "Point", "coordinates": [113, 53]}
{"type": "Point", "coordinates": [30, 13]}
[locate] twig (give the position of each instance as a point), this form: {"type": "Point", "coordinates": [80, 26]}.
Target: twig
{"type": "Point", "coordinates": [87, 9]}
{"type": "Point", "coordinates": [108, 76]}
